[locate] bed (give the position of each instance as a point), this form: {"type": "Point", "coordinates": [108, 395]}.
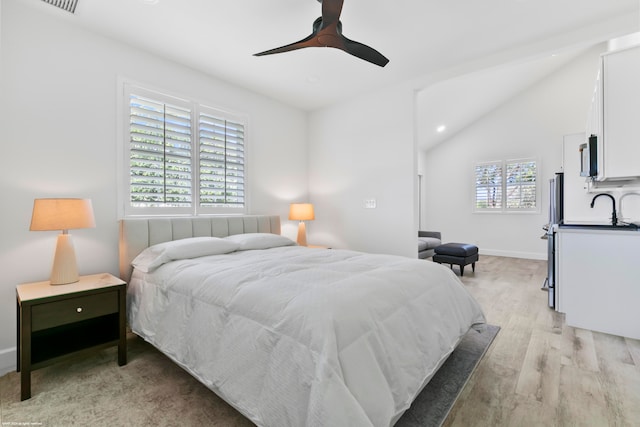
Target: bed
{"type": "Point", "coordinates": [290, 335]}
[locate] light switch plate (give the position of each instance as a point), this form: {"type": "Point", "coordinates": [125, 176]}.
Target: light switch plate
{"type": "Point", "coordinates": [369, 203]}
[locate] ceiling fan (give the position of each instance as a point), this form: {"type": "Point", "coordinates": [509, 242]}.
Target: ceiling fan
{"type": "Point", "coordinates": [327, 32]}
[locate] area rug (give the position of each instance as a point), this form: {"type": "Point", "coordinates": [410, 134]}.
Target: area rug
{"type": "Point", "coordinates": [151, 390]}
{"type": "Point", "coordinates": [433, 404]}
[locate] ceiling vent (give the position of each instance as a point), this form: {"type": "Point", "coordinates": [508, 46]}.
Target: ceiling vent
{"type": "Point", "coordinates": [68, 5]}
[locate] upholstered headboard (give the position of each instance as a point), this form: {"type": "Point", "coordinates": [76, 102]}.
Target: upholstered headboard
{"type": "Point", "coordinates": [138, 234]}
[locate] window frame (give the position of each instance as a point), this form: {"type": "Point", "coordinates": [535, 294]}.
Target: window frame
{"type": "Point", "coordinates": [126, 210]}
{"type": "Point", "coordinates": [504, 203]}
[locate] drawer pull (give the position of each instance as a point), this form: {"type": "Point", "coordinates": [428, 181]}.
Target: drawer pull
{"type": "Point", "coordinates": [79, 309]}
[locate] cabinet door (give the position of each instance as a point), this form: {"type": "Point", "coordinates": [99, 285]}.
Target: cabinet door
{"type": "Point", "coordinates": [594, 116]}
{"type": "Point", "coordinates": [622, 113]}
{"type": "Point", "coordinates": [598, 282]}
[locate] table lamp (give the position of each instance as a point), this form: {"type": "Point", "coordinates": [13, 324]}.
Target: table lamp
{"type": "Point", "coordinates": [62, 214]}
{"type": "Point", "coordinates": [301, 212]}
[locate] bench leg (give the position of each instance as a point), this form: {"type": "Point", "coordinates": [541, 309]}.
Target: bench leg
{"type": "Point", "coordinates": [461, 270]}
{"type": "Point", "coordinates": [473, 267]}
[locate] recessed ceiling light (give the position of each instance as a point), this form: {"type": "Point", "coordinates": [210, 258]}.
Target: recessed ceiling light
{"type": "Point", "coordinates": [313, 79]}
{"type": "Point", "coordinates": [441, 128]}
{"type": "Point", "coordinates": [150, 1]}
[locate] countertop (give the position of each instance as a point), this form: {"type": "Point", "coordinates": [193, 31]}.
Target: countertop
{"type": "Point", "coordinates": [582, 226]}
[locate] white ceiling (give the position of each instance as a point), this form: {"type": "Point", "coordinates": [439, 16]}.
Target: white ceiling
{"type": "Point", "coordinates": [458, 102]}
{"type": "Point", "coordinates": [420, 38]}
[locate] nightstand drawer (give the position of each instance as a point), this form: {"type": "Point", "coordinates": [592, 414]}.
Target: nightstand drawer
{"type": "Point", "coordinates": [49, 315]}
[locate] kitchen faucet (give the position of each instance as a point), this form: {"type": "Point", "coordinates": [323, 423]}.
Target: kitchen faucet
{"type": "Point", "coordinates": [614, 217]}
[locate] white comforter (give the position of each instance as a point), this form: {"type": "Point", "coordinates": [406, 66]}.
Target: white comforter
{"type": "Point", "coordinates": [293, 336]}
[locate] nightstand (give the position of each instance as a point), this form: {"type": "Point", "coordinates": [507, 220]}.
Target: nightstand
{"type": "Point", "coordinates": [56, 322]}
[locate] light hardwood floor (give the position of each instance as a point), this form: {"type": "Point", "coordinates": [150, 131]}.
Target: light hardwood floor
{"type": "Point", "coordinates": [539, 371]}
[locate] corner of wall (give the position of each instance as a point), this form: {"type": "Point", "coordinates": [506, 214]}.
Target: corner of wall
{"type": "Point", "coordinates": [8, 360]}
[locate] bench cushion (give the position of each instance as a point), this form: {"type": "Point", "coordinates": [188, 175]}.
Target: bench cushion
{"type": "Point", "coordinates": [457, 249]}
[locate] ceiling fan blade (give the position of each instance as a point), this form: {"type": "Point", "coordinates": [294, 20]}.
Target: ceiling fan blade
{"type": "Point", "coordinates": [331, 10]}
{"type": "Point", "coordinates": [365, 52]}
{"type": "Point", "coordinates": [306, 42]}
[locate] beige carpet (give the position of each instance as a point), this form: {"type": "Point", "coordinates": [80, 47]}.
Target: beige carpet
{"type": "Point", "coordinates": [151, 390]}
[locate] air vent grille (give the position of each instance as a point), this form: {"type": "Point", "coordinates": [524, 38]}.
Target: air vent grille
{"type": "Point", "coordinates": [68, 5]}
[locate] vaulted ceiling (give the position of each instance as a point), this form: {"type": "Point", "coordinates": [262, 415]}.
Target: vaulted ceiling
{"type": "Point", "coordinates": [494, 47]}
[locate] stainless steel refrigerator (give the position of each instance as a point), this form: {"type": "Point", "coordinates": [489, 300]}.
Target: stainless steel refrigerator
{"type": "Point", "coordinates": [556, 214]}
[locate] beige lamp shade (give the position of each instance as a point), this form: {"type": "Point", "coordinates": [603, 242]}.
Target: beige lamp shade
{"type": "Point", "coordinates": [62, 214]}
{"type": "Point", "coordinates": [301, 212]}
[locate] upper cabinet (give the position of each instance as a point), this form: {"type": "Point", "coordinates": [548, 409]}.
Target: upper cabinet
{"type": "Point", "coordinates": [614, 116]}
{"type": "Point", "coordinates": [594, 118]}
{"type": "Point", "coordinates": [621, 113]}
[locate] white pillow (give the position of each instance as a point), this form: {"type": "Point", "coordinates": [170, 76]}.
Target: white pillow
{"type": "Point", "coordinates": [250, 241]}
{"type": "Point", "coordinates": [193, 247]}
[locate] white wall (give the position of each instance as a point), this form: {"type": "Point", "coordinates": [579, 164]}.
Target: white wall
{"type": "Point", "coordinates": [58, 134]}
{"type": "Point", "coordinates": [365, 149]}
{"type": "Point", "coordinates": [531, 124]}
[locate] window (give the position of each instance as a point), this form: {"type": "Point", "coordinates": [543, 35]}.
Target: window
{"type": "Point", "coordinates": [520, 181]}
{"type": "Point", "coordinates": [489, 186]}
{"type": "Point", "coordinates": [181, 157]}
{"type": "Point", "coordinates": [506, 186]}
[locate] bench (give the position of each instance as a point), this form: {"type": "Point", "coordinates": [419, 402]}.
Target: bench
{"type": "Point", "coordinates": [460, 254]}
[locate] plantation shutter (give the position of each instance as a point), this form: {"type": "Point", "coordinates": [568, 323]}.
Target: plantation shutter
{"type": "Point", "coordinates": [222, 161]}
{"type": "Point", "coordinates": [180, 157]}
{"type": "Point", "coordinates": [160, 153]}
{"type": "Point", "coordinates": [488, 178]}
{"type": "Point", "coordinates": [506, 186]}
{"type": "Point", "coordinates": [521, 184]}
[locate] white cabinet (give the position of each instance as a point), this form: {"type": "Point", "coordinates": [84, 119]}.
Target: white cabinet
{"type": "Point", "coordinates": [621, 113]}
{"type": "Point", "coordinates": [619, 156]}
{"type": "Point", "coordinates": [594, 117]}
{"type": "Point", "coordinates": [599, 287]}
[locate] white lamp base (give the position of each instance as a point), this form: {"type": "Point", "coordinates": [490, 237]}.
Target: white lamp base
{"type": "Point", "coordinates": [302, 234]}
{"type": "Point", "coordinates": [65, 268]}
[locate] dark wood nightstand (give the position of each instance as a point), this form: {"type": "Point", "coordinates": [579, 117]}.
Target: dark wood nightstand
{"type": "Point", "coordinates": [59, 321]}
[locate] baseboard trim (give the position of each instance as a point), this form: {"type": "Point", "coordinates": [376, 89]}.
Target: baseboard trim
{"type": "Point", "coordinates": [514, 254]}
{"type": "Point", "coordinates": [8, 360]}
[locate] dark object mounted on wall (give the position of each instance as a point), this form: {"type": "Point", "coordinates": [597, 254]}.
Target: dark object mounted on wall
{"type": "Point", "coordinates": [589, 157]}
{"type": "Point", "coordinates": [327, 32]}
